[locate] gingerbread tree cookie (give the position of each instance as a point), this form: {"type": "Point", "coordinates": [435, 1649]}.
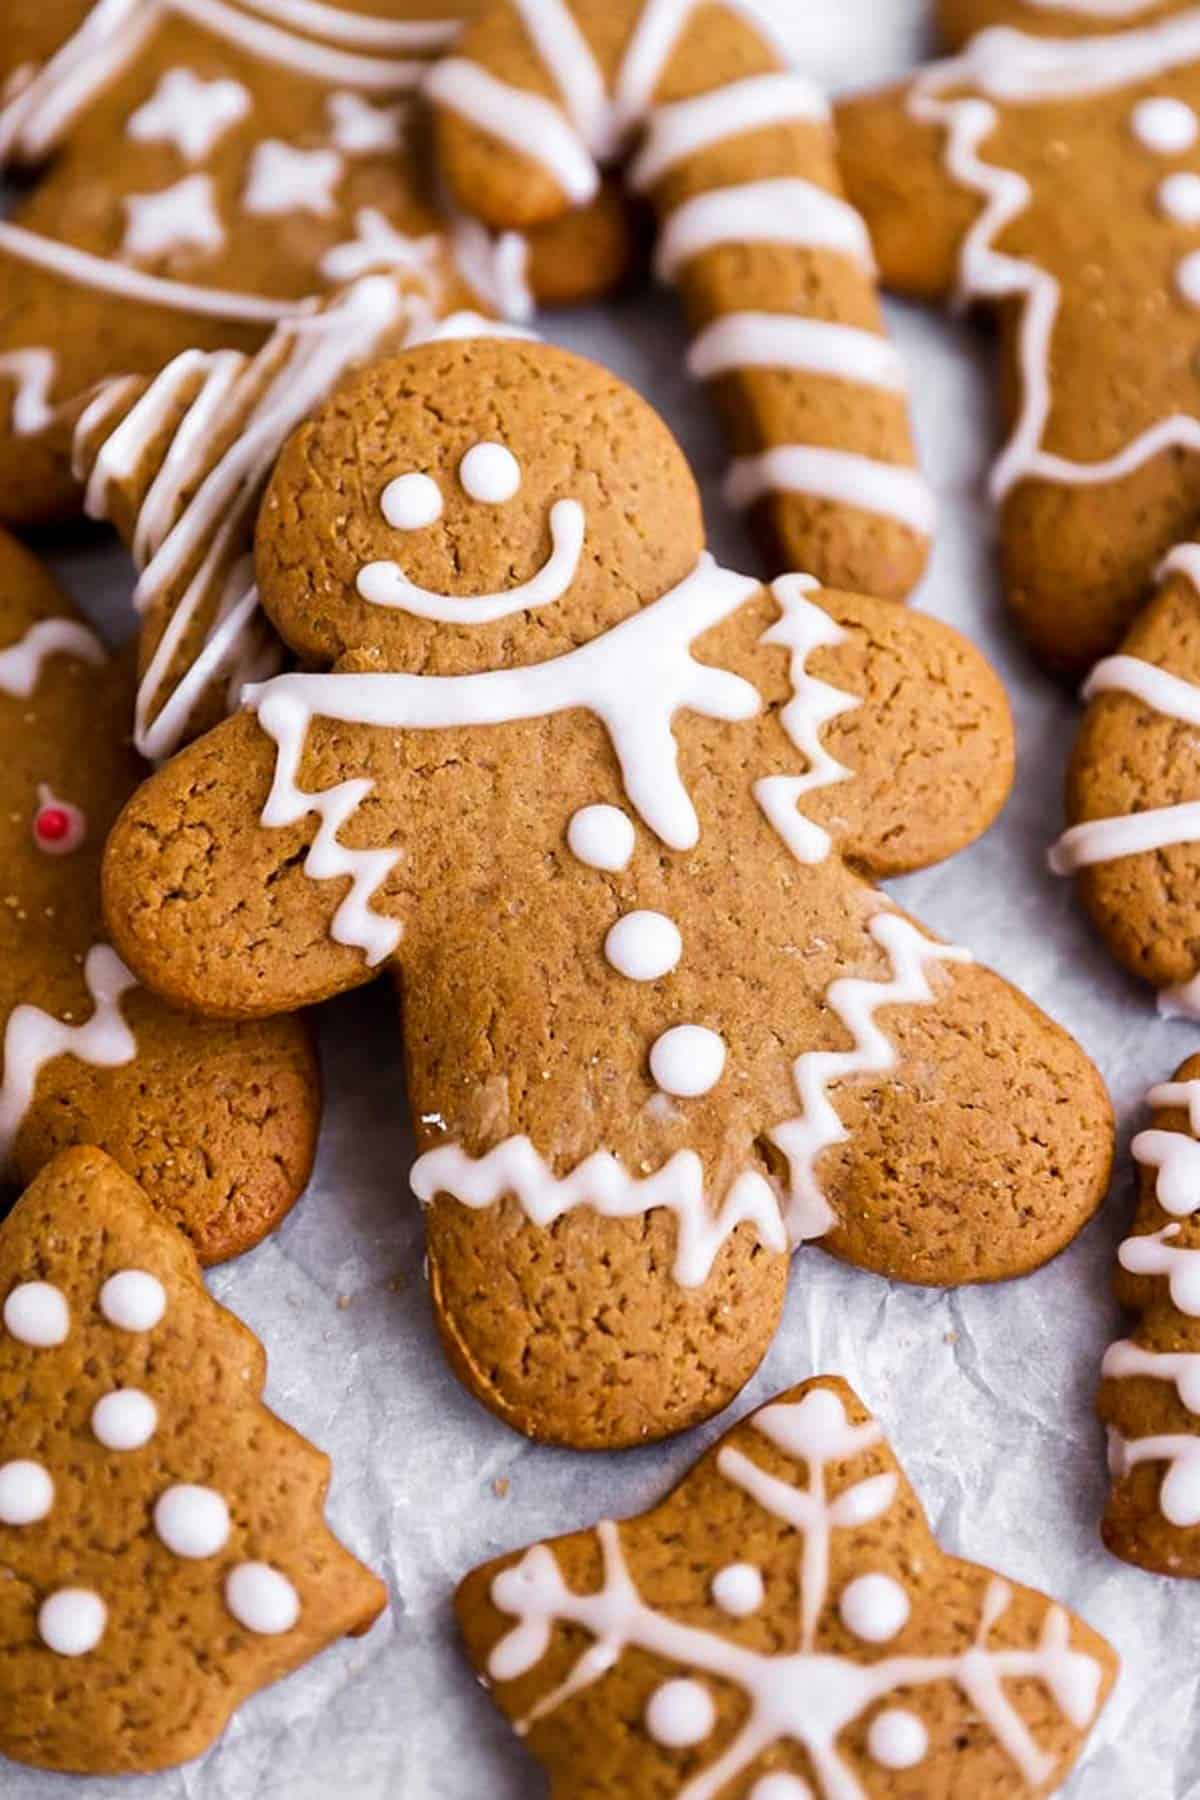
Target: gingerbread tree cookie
{"type": "Point", "coordinates": [162, 1542]}
{"type": "Point", "coordinates": [1150, 1397]}
{"type": "Point", "coordinates": [610, 814]}
{"type": "Point", "coordinates": [735, 155]}
{"type": "Point", "coordinates": [218, 1121]}
{"type": "Point", "coordinates": [783, 1626]}
{"type": "Point", "coordinates": [1133, 796]}
{"type": "Point", "coordinates": [996, 176]}
{"type": "Point", "coordinates": [204, 166]}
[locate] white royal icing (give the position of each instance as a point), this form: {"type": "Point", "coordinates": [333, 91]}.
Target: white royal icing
{"type": "Point", "coordinates": [32, 374]}
{"type": "Point", "coordinates": [496, 267]}
{"type": "Point", "coordinates": [126, 1419]}
{"type": "Point", "coordinates": [897, 1739]}
{"type": "Point", "coordinates": [841, 476]}
{"type": "Point", "coordinates": [410, 502]}
{"type": "Point", "coordinates": [677, 132]}
{"type": "Point", "coordinates": [526, 122]}
{"type": "Point", "coordinates": [377, 245]}
{"type": "Point", "coordinates": [779, 1785]}
{"type": "Point", "coordinates": [183, 217]}
{"type": "Point", "coordinates": [21, 664]}
{"type": "Point", "coordinates": [644, 946]}
{"type": "Point", "coordinates": [806, 1697]}
{"type": "Point", "coordinates": [36, 1313]}
{"type": "Point", "coordinates": [1165, 125]}
{"type": "Point", "coordinates": [874, 1607]}
{"type": "Point", "coordinates": [26, 1493]}
{"type": "Point", "coordinates": [601, 836]}
{"type": "Point", "coordinates": [386, 584]}
{"type": "Point", "coordinates": [262, 1599]}
{"type": "Point", "coordinates": [192, 1522]}
{"type": "Point", "coordinates": [1179, 1495]}
{"type": "Point", "coordinates": [189, 112]}
{"type": "Point", "coordinates": [282, 178]}
{"type": "Point", "coordinates": [784, 211]}
{"type": "Point", "coordinates": [490, 473]}
{"type": "Point", "coordinates": [757, 340]}
{"type": "Point", "coordinates": [72, 1621]}
{"type": "Point", "coordinates": [33, 1038]}
{"type": "Point", "coordinates": [688, 1060]}
{"type": "Point", "coordinates": [133, 1300]}
{"type": "Point", "coordinates": [1179, 197]}
{"type": "Point", "coordinates": [1155, 1254]}
{"type": "Point", "coordinates": [680, 1713]}
{"type": "Point", "coordinates": [360, 128]}
{"type": "Point", "coordinates": [738, 1590]}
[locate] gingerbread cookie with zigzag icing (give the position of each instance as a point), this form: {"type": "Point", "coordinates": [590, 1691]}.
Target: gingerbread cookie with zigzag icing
{"type": "Point", "coordinates": [611, 817]}
{"type": "Point", "coordinates": [218, 1121]}
{"type": "Point", "coordinates": [783, 1626]}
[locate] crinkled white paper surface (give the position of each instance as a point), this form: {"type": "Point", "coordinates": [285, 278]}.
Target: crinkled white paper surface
{"type": "Point", "coordinates": [986, 1394]}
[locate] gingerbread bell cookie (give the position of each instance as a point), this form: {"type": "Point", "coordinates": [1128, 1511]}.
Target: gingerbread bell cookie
{"type": "Point", "coordinates": [783, 1626]}
{"type": "Point", "coordinates": [996, 176]}
{"type": "Point", "coordinates": [219, 1122]}
{"type": "Point", "coordinates": [1150, 1397]}
{"type": "Point", "coordinates": [163, 1549]}
{"type": "Point", "coordinates": [734, 153]}
{"type": "Point", "coordinates": [611, 816]}
{"type": "Point", "coordinates": [203, 166]}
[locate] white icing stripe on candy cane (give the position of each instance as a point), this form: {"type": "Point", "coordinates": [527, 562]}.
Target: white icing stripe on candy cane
{"type": "Point", "coordinates": [804, 1697]}
{"type": "Point", "coordinates": [758, 340]}
{"type": "Point", "coordinates": [855, 1002]}
{"type": "Point", "coordinates": [813, 705]}
{"type": "Point", "coordinates": [659, 27]}
{"type": "Point", "coordinates": [562, 47]}
{"type": "Point", "coordinates": [33, 1038]}
{"type": "Point", "coordinates": [840, 476]}
{"type": "Point", "coordinates": [603, 1183]}
{"type": "Point", "coordinates": [21, 663]}
{"type": "Point", "coordinates": [1179, 1495]}
{"type": "Point", "coordinates": [675, 133]}
{"type": "Point", "coordinates": [526, 122]}
{"type": "Point", "coordinates": [1184, 559]}
{"type": "Point", "coordinates": [787, 210]}
{"type": "Point", "coordinates": [86, 270]}
{"type": "Point", "coordinates": [634, 678]}
{"type": "Point", "coordinates": [1126, 1360]}
{"type": "Point", "coordinates": [32, 373]}
{"type": "Point", "coordinates": [1010, 68]}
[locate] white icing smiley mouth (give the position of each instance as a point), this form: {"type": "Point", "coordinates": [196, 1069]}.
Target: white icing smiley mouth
{"type": "Point", "coordinates": [490, 474]}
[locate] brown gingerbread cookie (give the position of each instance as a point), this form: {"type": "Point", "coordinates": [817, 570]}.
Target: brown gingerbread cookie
{"type": "Point", "coordinates": [774, 268]}
{"type": "Point", "coordinates": [783, 1626]}
{"type": "Point", "coordinates": [959, 20]}
{"type": "Point", "coordinates": [1133, 797]}
{"type": "Point", "coordinates": [996, 176]}
{"type": "Point", "coordinates": [32, 33]}
{"type": "Point", "coordinates": [1150, 1397]}
{"type": "Point", "coordinates": [163, 1549]}
{"type": "Point", "coordinates": [204, 165]}
{"type": "Point", "coordinates": [219, 1122]}
{"type": "Point", "coordinates": [611, 815]}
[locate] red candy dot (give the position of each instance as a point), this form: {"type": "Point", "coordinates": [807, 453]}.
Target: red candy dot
{"type": "Point", "coordinates": [52, 825]}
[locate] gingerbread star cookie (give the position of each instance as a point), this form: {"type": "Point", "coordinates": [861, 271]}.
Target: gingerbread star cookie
{"type": "Point", "coordinates": [163, 1549]}
{"type": "Point", "coordinates": [611, 815]}
{"type": "Point", "coordinates": [218, 1121]}
{"type": "Point", "coordinates": [995, 176]}
{"type": "Point", "coordinates": [733, 151]}
{"type": "Point", "coordinates": [783, 1626]}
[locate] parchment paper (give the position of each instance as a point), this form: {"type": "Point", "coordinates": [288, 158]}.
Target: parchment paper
{"type": "Point", "coordinates": [987, 1394]}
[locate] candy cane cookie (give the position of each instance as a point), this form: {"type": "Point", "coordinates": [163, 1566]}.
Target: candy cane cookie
{"type": "Point", "coordinates": [775, 270]}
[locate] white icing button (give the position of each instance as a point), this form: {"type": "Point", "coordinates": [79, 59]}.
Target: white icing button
{"type": "Point", "coordinates": [132, 1300]}
{"type": "Point", "coordinates": [262, 1599]}
{"type": "Point", "coordinates": [874, 1608]}
{"type": "Point", "coordinates": [680, 1713]}
{"type": "Point", "coordinates": [192, 1521]}
{"type": "Point", "coordinates": [602, 837]}
{"type": "Point", "coordinates": [738, 1589]}
{"type": "Point", "coordinates": [1179, 197]}
{"type": "Point", "coordinates": [1187, 278]}
{"type": "Point", "coordinates": [687, 1060]}
{"type": "Point", "coordinates": [37, 1314]}
{"type": "Point", "coordinates": [72, 1621]}
{"type": "Point", "coordinates": [644, 945]}
{"type": "Point", "coordinates": [124, 1420]}
{"type": "Point", "coordinates": [412, 501]}
{"type": "Point", "coordinates": [1165, 126]}
{"type": "Point", "coordinates": [781, 1786]}
{"type": "Point", "coordinates": [490, 473]}
{"type": "Point", "coordinates": [897, 1739]}
{"type": "Point", "coordinates": [26, 1493]}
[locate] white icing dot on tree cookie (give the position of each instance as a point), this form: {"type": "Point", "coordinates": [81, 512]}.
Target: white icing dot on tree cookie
{"type": "Point", "coordinates": [262, 1599]}
{"type": "Point", "coordinates": [72, 1621]}
{"type": "Point", "coordinates": [124, 1420]}
{"type": "Point", "coordinates": [26, 1493]}
{"type": "Point", "coordinates": [133, 1300]}
{"type": "Point", "coordinates": [1166, 126]}
{"type": "Point", "coordinates": [37, 1314]}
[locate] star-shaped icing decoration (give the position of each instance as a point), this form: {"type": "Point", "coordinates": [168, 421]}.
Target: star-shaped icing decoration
{"type": "Point", "coordinates": [377, 244]}
{"type": "Point", "coordinates": [359, 128]}
{"type": "Point", "coordinates": [190, 113]}
{"type": "Point", "coordinates": [284, 179]}
{"type": "Point", "coordinates": [183, 217]}
{"type": "Point", "coordinates": [783, 1627]}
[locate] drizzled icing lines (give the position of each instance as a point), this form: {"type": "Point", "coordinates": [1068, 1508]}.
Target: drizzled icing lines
{"type": "Point", "coordinates": [810, 1696]}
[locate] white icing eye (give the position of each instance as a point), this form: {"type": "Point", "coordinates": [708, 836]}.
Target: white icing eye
{"type": "Point", "coordinates": [192, 1522]}
{"type": "Point", "coordinates": [26, 1493]}
{"type": "Point", "coordinates": [1166, 126]}
{"type": "Point", "coordinates": [897, 1739]}
{"type": "Point", "coordinates": [72, 1621]}
{"type": "Point", "coordinates": [687, 1061]}
{"type": "Point", "coordinates": [262, 1599]}
{"type": "Point", "coordinates": [412, 501]}
{"type": "Point", "coordinates": [124, 1420]}
{"type": "Point", "coordinates": [37, 1314]}
{"type": "Point", "coordinates": [490, 473]}
{"type": "Point", "coordinates": [874, 1608]}
{"type": "Point", "coordinates": [680, 1713]}
{"type": "Point", "coordinates": [132, 1300]}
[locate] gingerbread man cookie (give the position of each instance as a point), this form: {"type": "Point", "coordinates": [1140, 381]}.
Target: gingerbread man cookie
{"type": "Point", "coordinates": [1150, 1398]}
{"type": "Point", "coordinates": [1133, 797]}
{"type": "Point", "coordinates": [781, 1627]}
{"type": "Point", "coordinates": [204, 165]}
{"type": "Point", "coordinates": [774, 268]}
{"type": "Point", "coordinates": [219, 1122]}
{"type": "Point", "coordinates": [996, 175]}
{"type": "Point", "coordinates": [163, 1549]}
{"type": "Point", "coordinates": [610, 815]}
